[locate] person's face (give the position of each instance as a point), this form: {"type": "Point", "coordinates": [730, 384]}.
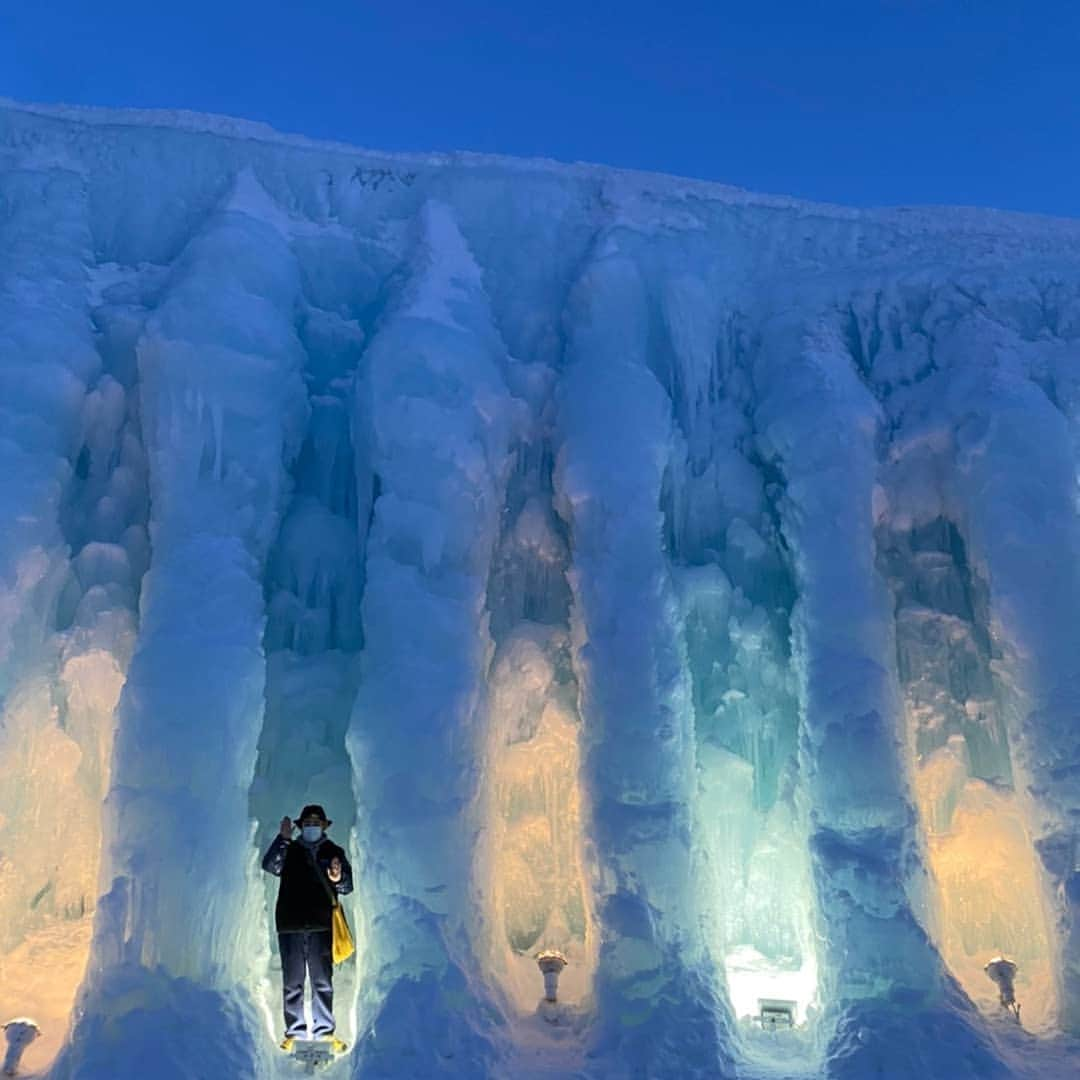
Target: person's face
{"type": "Point", "coordinates": [311, 819]}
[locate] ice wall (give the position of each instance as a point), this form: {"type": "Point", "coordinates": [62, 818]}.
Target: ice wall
{"type": "Point", "coordinates": [673, 576]}
{"type": "Point", "coordinates": [437, 417]}
{"type": "Point", "coordinates": [635, 684]}
{"type": "Point", "coordinates": [73, 551]}
{"type": "Point", "coordinates": [222, 406]}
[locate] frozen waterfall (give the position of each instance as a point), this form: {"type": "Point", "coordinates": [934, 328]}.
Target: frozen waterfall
{"type": "Point", "coordinates": [680, 579]}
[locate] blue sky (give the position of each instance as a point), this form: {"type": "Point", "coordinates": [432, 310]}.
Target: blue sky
{"type": "Point", "coordinates": [873, 102]}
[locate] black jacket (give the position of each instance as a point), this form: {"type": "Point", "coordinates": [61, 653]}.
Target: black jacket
{"type": "Point", "coordinates": [303, 902]}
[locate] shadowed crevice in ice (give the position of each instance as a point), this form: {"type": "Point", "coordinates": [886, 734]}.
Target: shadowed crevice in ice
{"type": "Point", "coordinates": [984, 895]}
{"type": "Point", "coordinates": [734, 579]}
{"type": "Point", "coordinates": [531, 884]}
{"type": "Point", "coordinates": [313, 586]}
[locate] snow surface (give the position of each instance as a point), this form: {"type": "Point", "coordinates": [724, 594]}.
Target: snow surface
{"type": "Point", "coordinates": [675, 576]}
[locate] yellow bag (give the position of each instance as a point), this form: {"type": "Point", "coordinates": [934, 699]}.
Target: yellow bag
{"type": "Point", "coordinates": [342, 946]}
{"type": "Point", "coordinates": [341, 939]}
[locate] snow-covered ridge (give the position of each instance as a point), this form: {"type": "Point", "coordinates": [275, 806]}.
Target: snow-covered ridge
{"type": "Point", "coordinates": [676, 577]}
{"type": "Point", "coordinates": [943, 218]}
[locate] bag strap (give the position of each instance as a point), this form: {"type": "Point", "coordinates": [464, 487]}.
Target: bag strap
{"type": "Point", "coordinates": [331, 893]}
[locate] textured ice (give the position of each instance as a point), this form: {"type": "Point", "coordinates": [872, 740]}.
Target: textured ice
{"type": "Point", "coordinates": [677, 577]}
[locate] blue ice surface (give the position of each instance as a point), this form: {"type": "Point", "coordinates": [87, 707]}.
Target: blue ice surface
{"type": "Point", "coordinates": [331, 458]}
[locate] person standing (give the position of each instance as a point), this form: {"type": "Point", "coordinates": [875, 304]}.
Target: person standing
{"type": "Point", "coordinates": [312, 869]}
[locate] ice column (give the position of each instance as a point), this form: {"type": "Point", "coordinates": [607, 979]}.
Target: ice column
{"type": "Point", "coordinates": [615, 427]}
{"type": "Point", "coordinates": [223, 409]}
{"type": "Point", "coordinates": [436, 416]}
{"type": "Point", "coordinates": [818, 424]}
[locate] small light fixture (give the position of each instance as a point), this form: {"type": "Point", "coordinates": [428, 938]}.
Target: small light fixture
{"type": "Point", "coordinates": [313, 1054]}
{"type": "Point", "coordinates": [1003, 973]}
{"type": "Point", "coordinates": [20, 1033]}
{"type": "Point", "coordinates": [551, 962]}
{"type": "Point", "coordinates": [774, 1014]}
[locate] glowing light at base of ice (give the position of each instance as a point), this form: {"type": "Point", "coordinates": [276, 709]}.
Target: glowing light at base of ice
{"type": "Point", "coordinates": [752, 978]}
{"type": "Point", "coordinates": [986, 894]}
{"type": "Point", "coordinates": [59, 771]}
{"type": "Point", "coordinates": [760, 892]}
{"type": "Point", "coordinates": [531, 864]}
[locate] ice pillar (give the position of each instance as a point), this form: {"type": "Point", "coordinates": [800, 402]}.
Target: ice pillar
{"type": "Point", "coordinates": [615, 427]}
{"type": "Point", "coordinates": [434, 413]}
{"type": "Point", "coordinates": [818, 424]}
{"type": "Point", "coordinates": [223, 408]}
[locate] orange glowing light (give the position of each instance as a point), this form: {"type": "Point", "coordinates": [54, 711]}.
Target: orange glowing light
{"type": "Point", "coordinates": [530, 866]}
{"type": "Point", "coordinates": [987, 893]}
{"type": "Point", "coordinates": [56, 777]}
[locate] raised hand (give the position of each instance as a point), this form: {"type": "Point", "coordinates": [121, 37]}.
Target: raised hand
{"type": "Point", "coordinates": [334, 873]}
{"type": "Point", "coordinates": [286, 828]}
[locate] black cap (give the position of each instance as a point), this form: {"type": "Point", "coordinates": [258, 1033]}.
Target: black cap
{"type": "Point", "coordinates": [314, 810]}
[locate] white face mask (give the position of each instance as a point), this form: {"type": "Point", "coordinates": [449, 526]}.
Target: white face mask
{"type": "Point", "coordinates": [311, 833]}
